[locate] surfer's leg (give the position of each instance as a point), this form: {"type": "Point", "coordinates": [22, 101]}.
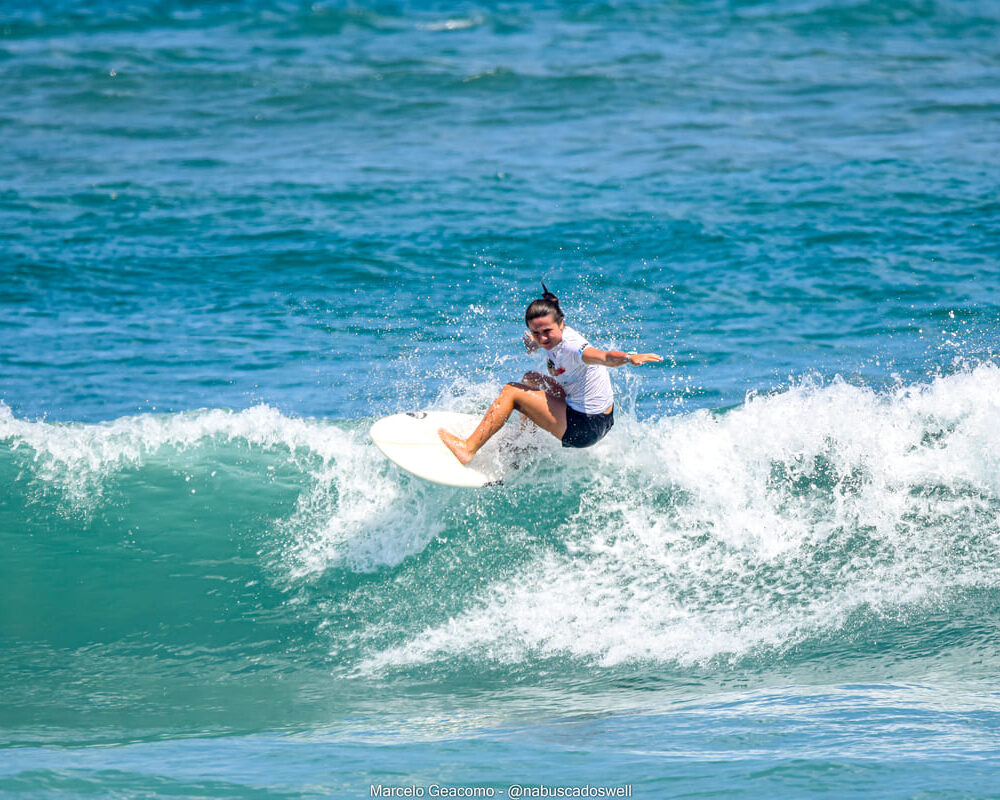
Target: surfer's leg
{"type": "Point", "coordinates": [536, 380]}
{"type": "Point", "coordinates": [546, 411]}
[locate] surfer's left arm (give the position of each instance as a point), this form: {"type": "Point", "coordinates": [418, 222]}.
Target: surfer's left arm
{"type": "Point", "coordinates": [616, 358]}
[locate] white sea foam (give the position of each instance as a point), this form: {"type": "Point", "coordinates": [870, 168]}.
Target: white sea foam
{"type": "Point", "coordinates": [358, 514]}
{"type": "Point", "coordinates": [452, 24]}
{"type": "Point", "coordinates": [712, 535]}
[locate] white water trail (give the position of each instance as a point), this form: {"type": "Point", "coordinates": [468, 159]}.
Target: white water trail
{"type": "Point", "coordinates": [707, 535]}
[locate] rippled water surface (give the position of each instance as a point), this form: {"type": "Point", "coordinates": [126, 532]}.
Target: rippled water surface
{"type": "Point", "coordinates": [234, 234]}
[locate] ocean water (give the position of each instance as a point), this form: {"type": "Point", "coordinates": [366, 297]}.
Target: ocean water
{"type": "Point", "coordinates": [234, 234]}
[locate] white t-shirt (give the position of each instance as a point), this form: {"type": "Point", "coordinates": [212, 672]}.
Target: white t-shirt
{"type": "Point", "coordinates": [588, 387]}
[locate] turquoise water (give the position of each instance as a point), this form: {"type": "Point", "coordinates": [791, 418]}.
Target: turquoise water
{"type": "Point", "coordinates": [235, 234]}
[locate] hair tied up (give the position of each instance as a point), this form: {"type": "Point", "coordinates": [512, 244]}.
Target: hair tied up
{"type": "Point", "coordinates": [547, 304]}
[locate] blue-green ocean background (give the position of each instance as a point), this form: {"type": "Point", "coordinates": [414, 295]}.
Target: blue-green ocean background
{"type": "Point", "coordinates": [233, 234]}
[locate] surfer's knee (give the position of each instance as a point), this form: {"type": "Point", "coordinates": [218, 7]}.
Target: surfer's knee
{"type": "Point", "coordinates": [533, 380]}
{"type": "Point", "coordinates": [514, 393]}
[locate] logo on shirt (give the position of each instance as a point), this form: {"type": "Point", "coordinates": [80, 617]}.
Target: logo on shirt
{"type": "Point", "coordinates": [552, 368]}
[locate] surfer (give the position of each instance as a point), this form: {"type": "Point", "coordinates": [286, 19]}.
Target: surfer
{"type": "Point", "coordinates": [574, 402]}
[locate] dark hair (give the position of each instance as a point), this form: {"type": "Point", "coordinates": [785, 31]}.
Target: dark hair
{"type": "Point", "coordinates": [547, 304]}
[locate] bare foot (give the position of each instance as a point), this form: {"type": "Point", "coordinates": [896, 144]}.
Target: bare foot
{"type": "Point", "coordinates": [456, 445]}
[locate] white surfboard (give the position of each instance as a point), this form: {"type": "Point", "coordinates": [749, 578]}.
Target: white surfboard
{"type": "Point", "coordinates": [411, 442]}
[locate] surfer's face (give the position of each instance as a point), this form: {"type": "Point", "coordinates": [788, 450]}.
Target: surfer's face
{"type": "Point", "coordinates": [546, 331]}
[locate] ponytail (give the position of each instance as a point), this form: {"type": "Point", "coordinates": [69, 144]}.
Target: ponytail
{"type": "Point", "coordinates": [547, 304]}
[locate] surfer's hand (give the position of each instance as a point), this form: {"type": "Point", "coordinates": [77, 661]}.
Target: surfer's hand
{"type": "Point", "coordinates": [616, 358]}
{"type": "Point", "coordinates": [530, 344]}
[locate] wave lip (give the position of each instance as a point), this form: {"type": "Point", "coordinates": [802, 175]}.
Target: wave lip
{"type": "Point", "coordinates": [78, 458]}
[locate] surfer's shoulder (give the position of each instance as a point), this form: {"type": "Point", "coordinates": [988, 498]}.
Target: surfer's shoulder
{"type": "Point", "coordinates": [573, 339]}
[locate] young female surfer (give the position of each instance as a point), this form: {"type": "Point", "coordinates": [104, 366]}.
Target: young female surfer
{"type": "Point", "coordinates": [574, 402]}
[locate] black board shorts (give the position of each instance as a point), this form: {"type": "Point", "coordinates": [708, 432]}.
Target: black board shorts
{"type": "Point", "coordinates": [583, 430]}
